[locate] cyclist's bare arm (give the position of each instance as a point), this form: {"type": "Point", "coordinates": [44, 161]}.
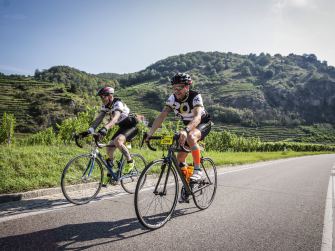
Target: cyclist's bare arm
{"type": "Point", "coordinates": [196, 119]}
{"type": "Point", "coordinates": [98, 120]}
{"type": "Point", "coordinates": [159, 120]}
{"type": "Point", "coordinates": [114, 119]}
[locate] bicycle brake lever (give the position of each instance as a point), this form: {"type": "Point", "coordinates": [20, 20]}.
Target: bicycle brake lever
{"type": "Point", "coordinates": [76, 138]}
{"type": "Point", "coordinates": [150, 147]}
{"type": "Point", "coordinates": [96, 140]}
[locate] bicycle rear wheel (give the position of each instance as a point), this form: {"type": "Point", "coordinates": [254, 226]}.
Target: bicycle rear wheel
{"type": "Point", "coordinates": [82, 179]}
{"type": "Point", "coordinates": [129, 181]}
{"type": "Point", "coordinates": [156, 194]}
{"type": "Point", "coordinates": [204, 190]}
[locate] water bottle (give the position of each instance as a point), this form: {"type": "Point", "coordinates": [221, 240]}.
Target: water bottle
{"type": "Point", "coordinates": [184, 171]}
{"type": "Point", "coordinates": [190, 170]}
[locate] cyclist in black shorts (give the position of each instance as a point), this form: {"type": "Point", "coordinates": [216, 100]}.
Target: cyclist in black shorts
{"type": "Point", "coordinates": [186, 104]}
{"type": "Point", "coordinates": [119, 115]}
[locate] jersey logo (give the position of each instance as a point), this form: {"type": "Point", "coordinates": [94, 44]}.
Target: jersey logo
{"type": "Point", "coordinates": [196, 100]}
{"type": "Point", "coordinates": [184, 108]}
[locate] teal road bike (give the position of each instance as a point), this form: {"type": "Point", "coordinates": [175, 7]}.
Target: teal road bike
{"type": "Point", "coordinates": [83, 176]}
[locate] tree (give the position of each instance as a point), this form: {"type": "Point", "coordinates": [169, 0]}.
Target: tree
{"type": "Point", "coordinates": [263, 59]}
{"type": "Point", "coordinates": [7, 128]}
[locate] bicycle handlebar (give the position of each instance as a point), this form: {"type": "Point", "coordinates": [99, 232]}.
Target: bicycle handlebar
{"type": "Point", "coordinates": [96, 137]}
{"type": "Point", "coordinates": [145, 135]}
{"type": "Point", "coordinates": [175, 138]}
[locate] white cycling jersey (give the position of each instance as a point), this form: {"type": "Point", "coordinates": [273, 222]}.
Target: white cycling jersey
{"type": "Point", "coordinates": [184, 108]}
{"type": "Point", "coordinates": [116, 105]}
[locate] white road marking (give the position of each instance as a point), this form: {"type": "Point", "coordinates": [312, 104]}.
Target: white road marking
{"type": "Point", "coordinates": [37, 211]}
{"type": "Point", "coordinates": [327, 235]}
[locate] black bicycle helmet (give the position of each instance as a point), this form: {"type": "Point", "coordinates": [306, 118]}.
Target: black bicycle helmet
{"type": "Point", "coordinates": [105, 91]}
{"type": "Point", "coordinates": [181, 78]}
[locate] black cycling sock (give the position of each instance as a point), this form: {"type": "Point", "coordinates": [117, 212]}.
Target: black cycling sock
{"type": "Point", "coordinates": [110, 161]}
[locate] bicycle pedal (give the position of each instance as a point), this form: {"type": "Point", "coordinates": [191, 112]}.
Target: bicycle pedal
{"type": "Point", "coordinates": [115, 183]}
{"type": "Point", "coordinates": [181, 200]}
{"type": "Point", "coordinates": [192, 182]}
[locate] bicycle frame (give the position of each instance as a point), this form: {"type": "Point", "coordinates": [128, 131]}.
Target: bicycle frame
{"type": "Point", "coordinates": [172, 162]}
{"type": "Point", "coordinates": [115, 175]}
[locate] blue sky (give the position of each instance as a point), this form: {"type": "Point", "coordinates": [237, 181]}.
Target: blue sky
{"type": "Point", "coordinates": [124, 36]}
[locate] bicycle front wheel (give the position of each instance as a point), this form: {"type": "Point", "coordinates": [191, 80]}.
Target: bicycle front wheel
{"type": "Point", "coordinates": [82, 179]}
{"type": "Point", "coordinates": [204, 190]}
{"type": "Point", "coordinates": [129, 181]}
{"type": "Point", "coordinates": [156, 194]}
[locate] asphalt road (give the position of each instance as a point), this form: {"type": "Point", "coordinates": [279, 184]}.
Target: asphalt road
{"type": "Point", "coordinates": [277, 205]}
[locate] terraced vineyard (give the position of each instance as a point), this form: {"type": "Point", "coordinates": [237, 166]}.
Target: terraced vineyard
{"type": "Point", "coordinates": [266, 133]}
{"type": "Point", "coordinates": [35, 104]}
{"type": "Point", "coordinates": [142, 100]}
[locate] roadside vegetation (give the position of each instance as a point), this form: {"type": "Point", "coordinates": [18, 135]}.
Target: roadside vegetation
{"type": "Point", "coordinates": [25, 168]}
{"type": "Point", "coordinates": [36, 161]}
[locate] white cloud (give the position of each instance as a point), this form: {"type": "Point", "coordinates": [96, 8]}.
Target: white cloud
{"type": "Point", "coordinates": [280, 5]}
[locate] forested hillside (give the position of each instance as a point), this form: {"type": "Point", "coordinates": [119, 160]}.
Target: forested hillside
{"type": "Point", "coordinates": [253, 90]}
{"type": "Point", "coordinates": [241, 90]}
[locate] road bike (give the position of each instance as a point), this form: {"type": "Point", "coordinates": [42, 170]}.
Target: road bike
{"type": "Point", "coordinates": [83, 176]}
{"type": "Point", "coordinates": [157, 189]}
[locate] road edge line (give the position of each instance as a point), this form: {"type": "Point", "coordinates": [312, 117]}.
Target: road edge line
{"type": "Point", "coordinates": [327, 234]}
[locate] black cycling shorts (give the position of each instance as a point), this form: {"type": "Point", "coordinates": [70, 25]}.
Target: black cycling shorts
{"type": "Point", "coordinates": [204, 128]}
{"type": "Point", "coordinates": [127, 127]}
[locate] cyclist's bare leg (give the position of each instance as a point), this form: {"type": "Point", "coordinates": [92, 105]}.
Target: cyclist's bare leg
{"type": "Point", "coordinates": [181, 157]}
{"type": "Point", "coordinates": [193, 137]}
{"type": "Point", "coordinates": [192, 140]}
{"type": "Point", "coordinates": [119, 142]}
{"type": "Point", "coordinates": [110, 152]}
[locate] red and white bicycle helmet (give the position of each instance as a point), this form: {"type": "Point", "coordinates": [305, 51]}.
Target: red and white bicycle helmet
{"type": "Point", "coordinates": [104, 91]}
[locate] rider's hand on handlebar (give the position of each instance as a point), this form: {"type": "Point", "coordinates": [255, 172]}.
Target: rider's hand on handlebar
{"type": "Point", "coordinates": [103, 132]}
{"type": "Point", "coordinates": [147, 137]}
{"type": "Point", "coordinates": [86, 133]}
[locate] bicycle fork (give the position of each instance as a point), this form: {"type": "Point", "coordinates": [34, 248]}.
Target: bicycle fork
{"type": "Point", "coordinates": [89, 170]}
{"type": "Point", "coordinates": [164, 166]}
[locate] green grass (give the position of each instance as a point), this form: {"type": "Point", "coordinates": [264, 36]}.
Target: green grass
{"type": "Point", "coordinates": [33, 167]}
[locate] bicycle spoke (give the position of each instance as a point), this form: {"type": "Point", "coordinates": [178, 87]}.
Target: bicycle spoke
{"type": "Point", "coordinates": [81, 179]}
{"type": "Point", "coordinates": [155, 202]}
{"type": "Point", "coordinates": [205, 189]}
{"type": "Point", "coordinates": [129, 181]}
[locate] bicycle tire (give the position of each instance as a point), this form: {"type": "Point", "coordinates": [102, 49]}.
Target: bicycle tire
{"type": "Point", "coordinates": [77, 187]}
{"type": "Point", "coordinates": [204, 197]}
{"type": "Point", "coordinates": [148, 202]}
{"type": "Point", "coordinates": [129, 181]}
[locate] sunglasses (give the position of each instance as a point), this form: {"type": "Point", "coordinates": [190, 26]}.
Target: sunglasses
{"type": "Point", "coordinates": [178, 88]}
